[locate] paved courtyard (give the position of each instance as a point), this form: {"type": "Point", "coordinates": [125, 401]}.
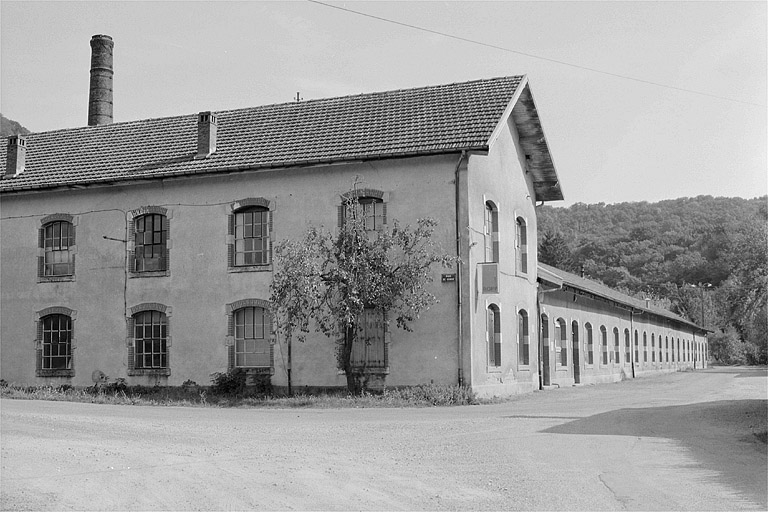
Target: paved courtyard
{"type": "Point", "coordinates": [680, 441]}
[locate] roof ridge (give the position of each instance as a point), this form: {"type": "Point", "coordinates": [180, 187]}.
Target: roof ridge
{"type": "Point", "coordinates": [374, 125]}
{"type": "Point", "coordinates": [287, 103]}
{"type": "Point", "coordinates": [104, 126]}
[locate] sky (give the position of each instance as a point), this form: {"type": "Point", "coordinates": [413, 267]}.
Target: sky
{"type": "Point", "coordinates": [639, 101]}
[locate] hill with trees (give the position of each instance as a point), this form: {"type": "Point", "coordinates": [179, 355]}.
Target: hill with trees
{"type": "Point", "coordinates": [704, 258]}
{"type": "Point", "coordinates": [10, 127]}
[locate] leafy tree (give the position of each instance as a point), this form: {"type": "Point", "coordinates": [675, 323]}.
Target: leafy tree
{"type": "Point", "coordinates": [324, 282]}
{"type": "Point", "coordinates": [553, 250]}
{"type": "Point", "coordinates": [725, 347]}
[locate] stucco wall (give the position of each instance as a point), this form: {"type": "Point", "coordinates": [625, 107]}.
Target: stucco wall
{"type": "Point", "coordinates": [199, 286]}
{"type": "Point", "coordinates": [499, 177]}
{"type": "Point", "coordinates": [585, 311]}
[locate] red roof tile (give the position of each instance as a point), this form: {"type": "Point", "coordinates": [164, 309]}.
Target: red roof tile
{"type": "Point", "coordinates": [409, 122]}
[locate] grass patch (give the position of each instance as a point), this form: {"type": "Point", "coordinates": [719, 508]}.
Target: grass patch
{"type": "Point", "coordinates": [428, 395]}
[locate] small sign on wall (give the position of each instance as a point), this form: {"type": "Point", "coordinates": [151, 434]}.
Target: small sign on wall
{"type": "Point", "coordinates": [448, 278]}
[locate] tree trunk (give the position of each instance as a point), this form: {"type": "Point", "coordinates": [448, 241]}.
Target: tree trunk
{"type": "Point", "coordinates": [354, 381]}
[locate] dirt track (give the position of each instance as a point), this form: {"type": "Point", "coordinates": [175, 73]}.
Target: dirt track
{"type": "Point", "coordinates": [675, 442]}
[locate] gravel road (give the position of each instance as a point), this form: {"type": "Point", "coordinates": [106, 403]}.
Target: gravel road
{"type": "Point", "coordinates": [680, 441]}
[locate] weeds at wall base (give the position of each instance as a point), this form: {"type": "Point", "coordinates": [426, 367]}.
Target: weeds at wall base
{"type": "Point", "coordinates": [192, 395]}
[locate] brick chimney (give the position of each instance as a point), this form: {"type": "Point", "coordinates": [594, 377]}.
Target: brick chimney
{"type": "Point", "coordinates": [206, 134]}
{"type": "Point", "coordinates": [16, 157]}
{"type": "Point", "coordinates": [100, 95]}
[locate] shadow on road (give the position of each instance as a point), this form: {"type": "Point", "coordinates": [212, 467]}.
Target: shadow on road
{"type": "Point", "coordinates": [719, 435]}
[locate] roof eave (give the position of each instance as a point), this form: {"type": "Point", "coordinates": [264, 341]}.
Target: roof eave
{"type": "Point", "coordinates": [292, 164]}
{"type": "Point", "coordinates": [522, 109]}
{"type": "Point", "coordinates": [545, 275]}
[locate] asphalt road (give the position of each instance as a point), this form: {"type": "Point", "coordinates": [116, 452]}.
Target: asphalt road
{"type": "Point", "coordinates": [680, 441]}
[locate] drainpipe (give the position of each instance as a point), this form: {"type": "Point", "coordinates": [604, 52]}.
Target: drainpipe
{"type": "Point", "coordinates": [632, 342]}
{"type": "Point", "coordinates": [458, 269]}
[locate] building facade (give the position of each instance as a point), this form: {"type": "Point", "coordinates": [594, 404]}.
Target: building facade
{"type": "Point", "coordinates": [143, 250]}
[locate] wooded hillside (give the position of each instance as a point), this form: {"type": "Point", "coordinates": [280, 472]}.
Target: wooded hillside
{"type": "Point", "coordinates": [705, 258]}
{"type": "Point", "coordinates": [10, 127]}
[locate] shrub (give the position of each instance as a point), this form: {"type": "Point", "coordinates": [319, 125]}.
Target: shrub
{"type": "Point", "coordinates": [725, 347]}
{"type": "Point", "coordinates": [231, 382]}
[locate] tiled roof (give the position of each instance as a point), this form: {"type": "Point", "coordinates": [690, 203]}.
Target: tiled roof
{"type": "Point", "coordinates": [409, 122]}
{"type": "Point", "coordinates": [563, 278]}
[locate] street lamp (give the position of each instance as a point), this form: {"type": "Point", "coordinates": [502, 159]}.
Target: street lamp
{"type": "Point", "coordinates": [702, 287]}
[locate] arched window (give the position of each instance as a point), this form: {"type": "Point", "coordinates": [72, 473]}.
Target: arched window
{"type": "Point", "coordinates": [493, 328]}
{"type": "Point", "coordinates": [661, 351]}
{"type": "Point", "coordinates": [150, 340]}
{"type": "Point", "coordinates": [627, 348]}
{"type": "Point", "coordinates": [590, 344]}
{"type": "Point", "coordinates": [252, 338]}
{"type": "Point", "coordinates": [604, 344]}
{"type": "Point", "coordinates": [56, 342]}
{"type": "Point", "coordinates": [666, 348]}
{"type": "Point", "coordinates": [616, 346]}
{"type": "Point", "coordinates": [57, 238]}
{"type": "Point", "coordinates": [491, 232]}
{"type": "Point", "coordinates": [637, 347]}
{"type": "Point", "coordinates": [521, 245]}
{"type": "Point", "coordinates": [653, 347]}
{"type": "Point", "coordinates": [150, 236]}
{"type": "Point", "coordinates": [561, 336]}
{"type": "Point", "coordinates": [645, 347]}
{"type": "Point", "coordinates": [523, 339]}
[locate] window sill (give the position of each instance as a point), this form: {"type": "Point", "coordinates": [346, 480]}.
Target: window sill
{"type": "Point", "coordinates": [250, 268]}
{"type": "Point", "coordinates": [257, 370]}
{"type": "Point", "coordinates": [368, 371]}
{"type": "Point", "coordinates": [150, 273]}
{"type": "Point", "coordinates": [55, 279]}
{"type": "Point", "coordinates": [55, 373]}
{"type": "Point", "coordinates": [137, 372]}
{"type": "Point", "coordinates": [493, 369]}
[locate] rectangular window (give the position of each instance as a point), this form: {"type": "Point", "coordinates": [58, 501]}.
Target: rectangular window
{"type": "Point", "coordinates": [150, 242]}
{"type": "Point", "coordinates": [372, 210]}
{"type": "Point", "coordinates": [151, 336]}
{"type": "Point", "coordinates": [252, 345]}
{"type": "Point", "coordinates": [252, 237]}
{"type": "Point", "coordinates": [57, 342]}
{"type": "Point", "coordinates": [58, 238]}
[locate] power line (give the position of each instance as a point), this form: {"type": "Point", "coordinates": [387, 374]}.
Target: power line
{"type": "Point", "coordinates": [509, 50]}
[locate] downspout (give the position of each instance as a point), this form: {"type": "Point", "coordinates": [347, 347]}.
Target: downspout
{"type": "Point", "coordinates": [632, 346]}
{"type": "Point", "coordinates": [459, 290]}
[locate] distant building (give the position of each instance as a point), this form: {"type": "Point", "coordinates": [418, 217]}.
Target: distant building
{"type": "Point", "coordinates": [143, 250]}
